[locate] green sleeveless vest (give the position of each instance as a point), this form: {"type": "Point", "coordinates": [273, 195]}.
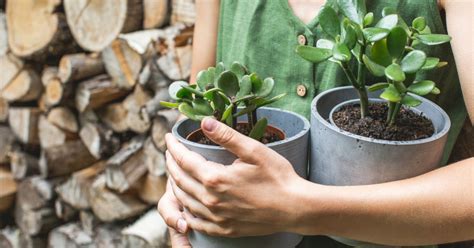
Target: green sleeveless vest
{"type": "Point", "coordinates": [263, 35]}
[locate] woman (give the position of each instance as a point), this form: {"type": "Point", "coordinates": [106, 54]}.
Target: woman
{"type": "Point", "coordinates": [239, 199]}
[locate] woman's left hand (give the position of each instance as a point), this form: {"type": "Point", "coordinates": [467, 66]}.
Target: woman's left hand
{"type": "Point", "coordinates": [255, 195]}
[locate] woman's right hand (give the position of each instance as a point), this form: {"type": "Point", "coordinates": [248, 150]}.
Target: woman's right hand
{"type": "Point", "coordinates": [172, 212]}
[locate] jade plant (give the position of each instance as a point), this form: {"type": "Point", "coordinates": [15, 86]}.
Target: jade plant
{"type": "Point", "coordinates": [389, 48]}
{"type": "Point", "coordinates": [225, 94]}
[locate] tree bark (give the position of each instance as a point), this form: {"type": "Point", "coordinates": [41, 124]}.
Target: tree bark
{"type": "Point", "coordinates": [6, 143]}
{"type": "Point", "coordinates": [4, 105]}
{"type": "Point", "coordinates": [73, 67]}
{"type": "Point", "coordinates": [49, 37]}
{"type": "Point", "coordinates": [50, 135]}
{"type": "Point", "coordinates": [148, 231]}
{"type": "Point", "coordinates": [156, 13]}
{"type": "Point", "coordinates": [96, 92]}
{"type": "Point", "coordinates": [65, 211]}
{"type": "Point", "coordinates": [114, 115]}
{"type": "Point", "coordinates": [3, 34]}
{"type": "Point", "coordinates": [23, 164]}
{"type": "Point", "coordinates": [64, 118]}
{"type": "Point", "coordinates": [99, 140]}
{"type": "Point", "coordinates": [7, 191]}
{"type": "Point", "coordinates": [96, 23]}
{"type": "Point", "coordinates": [26, 86]}
{"type": "Point", "coordinates": [183, 12]}
{"type": "Point", "coordinates": [70, 235]}
{"type": "Point", "coordinates": [65, 159]}
{"type": "Point", "coordinates": [11, 67]}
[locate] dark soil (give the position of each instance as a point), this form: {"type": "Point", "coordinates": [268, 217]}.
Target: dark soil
{"type": "Point", "coordinates": [408, 126]}
{"type": "Point", "coordinates": [242, 128]}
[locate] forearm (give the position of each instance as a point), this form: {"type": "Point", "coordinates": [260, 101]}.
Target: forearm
{"type": "Point", "coordinates": [437, 207]}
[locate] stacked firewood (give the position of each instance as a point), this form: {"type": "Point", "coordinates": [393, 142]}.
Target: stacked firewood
{"type": "Point", "coordinates": [81, 129]}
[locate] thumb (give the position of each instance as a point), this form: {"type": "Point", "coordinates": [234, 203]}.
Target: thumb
{"type": "Point", "coordinates": [170, 211]}
{"type": "Point", "coordinates": [178, 239]}
{"type": "Point", "coordinates": [247, 149]}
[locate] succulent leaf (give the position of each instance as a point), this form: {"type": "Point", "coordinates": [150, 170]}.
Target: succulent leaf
{"type": "Point", "coordinates": [259, 129]}
{"type": "Point", "coordinates": [329, 21]}
{"type": "Point", "coordinates": [314, 54]}
{"type": "Point", "coordinates": [228, 83]}
{"type": "Point", "coordinates": [395, 73]}
{"type": "Point", "coordinates": [396, 41]}
{"type": "Point", "coordinates": [391, 94]}
{"type": "Point", "coordinates": [413, 61]}
{"type": "Point", "coordinates": [422, 88]}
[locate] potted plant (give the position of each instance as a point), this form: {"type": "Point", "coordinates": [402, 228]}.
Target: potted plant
{"type": "Point", "coordinates": [237, 98]}
{"type": "Point", "coordinates": [386, 131]}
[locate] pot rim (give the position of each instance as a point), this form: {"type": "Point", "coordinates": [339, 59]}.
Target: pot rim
{"type": "Point", "coordinates": [301, 133]}
{"type": "Point", "coordinates": [439, 134]}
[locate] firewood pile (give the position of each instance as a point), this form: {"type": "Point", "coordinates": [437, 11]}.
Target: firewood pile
{"type": "Point", "coordinates": [81, 129]}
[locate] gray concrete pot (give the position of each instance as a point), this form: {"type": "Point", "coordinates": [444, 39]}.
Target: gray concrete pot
{"type": "Point", "coordinates": [294, 148]}
{"type": "Point", "coordinates": [338, 157]}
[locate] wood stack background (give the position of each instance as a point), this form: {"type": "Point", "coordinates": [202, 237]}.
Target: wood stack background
{"type": "Point", "coordinates": [81, 129]}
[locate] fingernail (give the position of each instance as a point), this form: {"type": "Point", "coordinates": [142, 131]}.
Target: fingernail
{"type": "Point", "coordinates": [182, 225]}
{"type": "Point", "coordinates": [209, 124]}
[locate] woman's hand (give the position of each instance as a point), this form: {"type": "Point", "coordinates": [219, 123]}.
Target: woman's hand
{"type": "Point", "coordinates": [253, 196]}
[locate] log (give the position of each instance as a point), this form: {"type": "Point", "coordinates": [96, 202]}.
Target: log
{"type": "Point", "coordinates": [26, 86]}
{"type": "Point", "coordinates": [23, 122]}
{"type": "Point", "coordinates": [11, 67]}
{"type": "Point", "coordinates": [136, 120]}
{"type": "Point", "coordinates": [156, 13]}
{"type": "Point", "coordinates": [50, 135]}
{"type": "Point", "coordinates": [99, 140]}
{"type": "Point", "coordinates": [70, 235]}
{"type": "Point", "coordinates": [96, 92]}
{"type": "Point", "coordinates": [3, 35]}
{"type": "Point", "coordinates": [110, 206]}
{"type": "Point", "coordinates": [63, 118]}
{"type": "Point", "coordinates": [148, 231]}
{"type": "Point", "coordinates": [34, 213]}
{"type": "Point", "coordinates": [176, 63]}
{"type": "Point", "coordinates": [75, 191]}
{"type": "Point", "coordinates": [56, 93]}
{"type": "Point", "coordinates": [96, 23]}
{"type": "Point", "coordinates": [6, 143]}
{"type": "Point", "coordinates": [124, 57]}
{"type": "Point", "coordinates": [49, 73]}
{"type": "Point", "coordinates": [109, 235]}
{"type": "Point", "coordinates": [23, 164]}
{"type": "Point", "coordinates": [65, 159]}
{"type": "Point", "coordinates": [152, 188]}
{"type": "Point", "coordinates": [156, 163]}
{"type": "Point", "coordinates": [159, 129]}
{"type": "Point", "coordinates": [153, 78]}
{"type": "Point", "coordinates": [4, 105]}
{"type": "Point", "coordinates": [114, 115]}
{"type": "Point", "coordinates": [152, 107]}
{"type": "Point", "coordinates": [7, 191]}
{"type": "Point", "coordinates": [64, 211]}
{"type": "Point", "coordinates": [184, 11]}
{"type": "Point", "coordinates": [48, 37]}
{"type": "Point", "coordinates": [88, 221]}
{"type": "Point", "coordinates": [79, 66]}
{"type": "Point", "coordinates": [127, 166]}
{"type": "Point", "coordinates": [10, 238]}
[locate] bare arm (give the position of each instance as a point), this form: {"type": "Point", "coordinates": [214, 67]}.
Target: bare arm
{"type": "Point", "coordinates": [205, 36]}
{"type": "Point", "coordinates": [434, 208]}
{"type": "Point", "coordinates": [460, 24]}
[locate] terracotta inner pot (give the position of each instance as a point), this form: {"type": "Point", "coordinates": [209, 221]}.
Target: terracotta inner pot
{"type": "Point", "coordinates": [196, 135]}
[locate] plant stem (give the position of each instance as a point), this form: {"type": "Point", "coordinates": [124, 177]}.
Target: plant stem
{"type": "Point", "coordinates": [250, 120]}
{"type": "Point", "coordinates": [391, 108]}
{"type": "Point", "coordinates": [364, 103]}
{"type": "Point", "coordinates": [254, 117]}
{"type": "Point", "coordinates": [395, 113]}
{"type": "Point", "coordinates": [360, 87]}
{"type": "Point", "coordinates": [234, 119]}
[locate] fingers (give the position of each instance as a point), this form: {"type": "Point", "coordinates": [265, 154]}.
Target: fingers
{"type": "Point", "coordinates": [169, 209]}
{"type": "Point", "coordinates": [182, 179]}
{"type": "Point", "coordinates": [191, 162]}
{"type": "Point", "coordinates": [247, 149]}
{"type": "Point", "coordinates": [179, 240]}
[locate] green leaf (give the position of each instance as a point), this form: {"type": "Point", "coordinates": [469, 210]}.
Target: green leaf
{"type": "Point", "coordinates": [175, 87]}
{"type": "Point", "coordinates": [442, 64]}
{"type": "Point", "coordinates": [374, 68]}
{"type": "Point", "coordinates": [329, 21]}
{"type": "Point", "coordinates": [375, 34]}
{"type": "Point", "coordinates": [396, 41]}
{"type": "Point", "coordinates": [259, 129]}
{"type": "Point", "coordinates": [410, 101]}
{"type": "Point", "coordinates": [169, 104]}
{"type": "Point", "coordinates": [326, 44]}
{"type": "Point", "coordinates": [394, 72]}
{"type": "Point", "coordinates": [193, 90]}
{"type": "Point", "coordinates": [388, 22]}
{"type": "Point", "coordinates": [227, 112]}
{"type": "Point", "coordinates": [218, 102]}
{"type": "Point", "coordinates": [433, 39]}
{"type": "Point", "coordinates": [419, 23]}
{"type": "Point", "coordinates": [205, 78]}
{"type": "Point", "coordinates": [377, 86]}
{"type": "Point", "coordinates": [368, 19]}
{"type": "Point", "coordinates": [349, 36]}
{"type": "Point", "coordinates": [244, 98]}
{"type": "Point", "coordinates": [400, 87]}
{"type": "Point", "coordinates": [238, 69]}
{"type": "Point", "coordinates": [256, 82]}
{"type": "Point", "coordinates": [188, 111]}
{"type": "Point", "coordinates": [391, 94]}
{"type": "Point", "coordinates": [266, 88]}
{"type": "Point", "coordinates": [379, 53]}
{"type": "Point", "coordinates": [388, 11]}
{"type": "Point", "coordinates": [245, 86]}
{"type": "Point", "coordinates": [202, 107]}
{"type": "Point", "coordinates": [229, 83]}
{"type": "Point", "coordinates": [422, 88]}
{"type": "Point", "coordinates": [260, 102]}
{"type": "Point", "coordinates": [220, 68]}
{"type": "Point", "coordinates": [413, 61]}
{"type": "Point", "coordinates": [436, 91]}
{"type": "Point", "coordinates": [341, 52]}
{"type": "Point", "coordinates": [209, 94]}
{"type": "Point", "coordinates": [313, 54]}
{"type": "Point", "coordinates": [430, 63]}
{"type": "Point", "coordinates": [355, 10]}
{"type": "Point", "coordinates": [245, 111]}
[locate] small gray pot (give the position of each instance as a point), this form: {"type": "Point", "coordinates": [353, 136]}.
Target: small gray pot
{"type": "Point", "coordinates": [294, 148]}
{"type": "Point", "coordinates": [342, 158]}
